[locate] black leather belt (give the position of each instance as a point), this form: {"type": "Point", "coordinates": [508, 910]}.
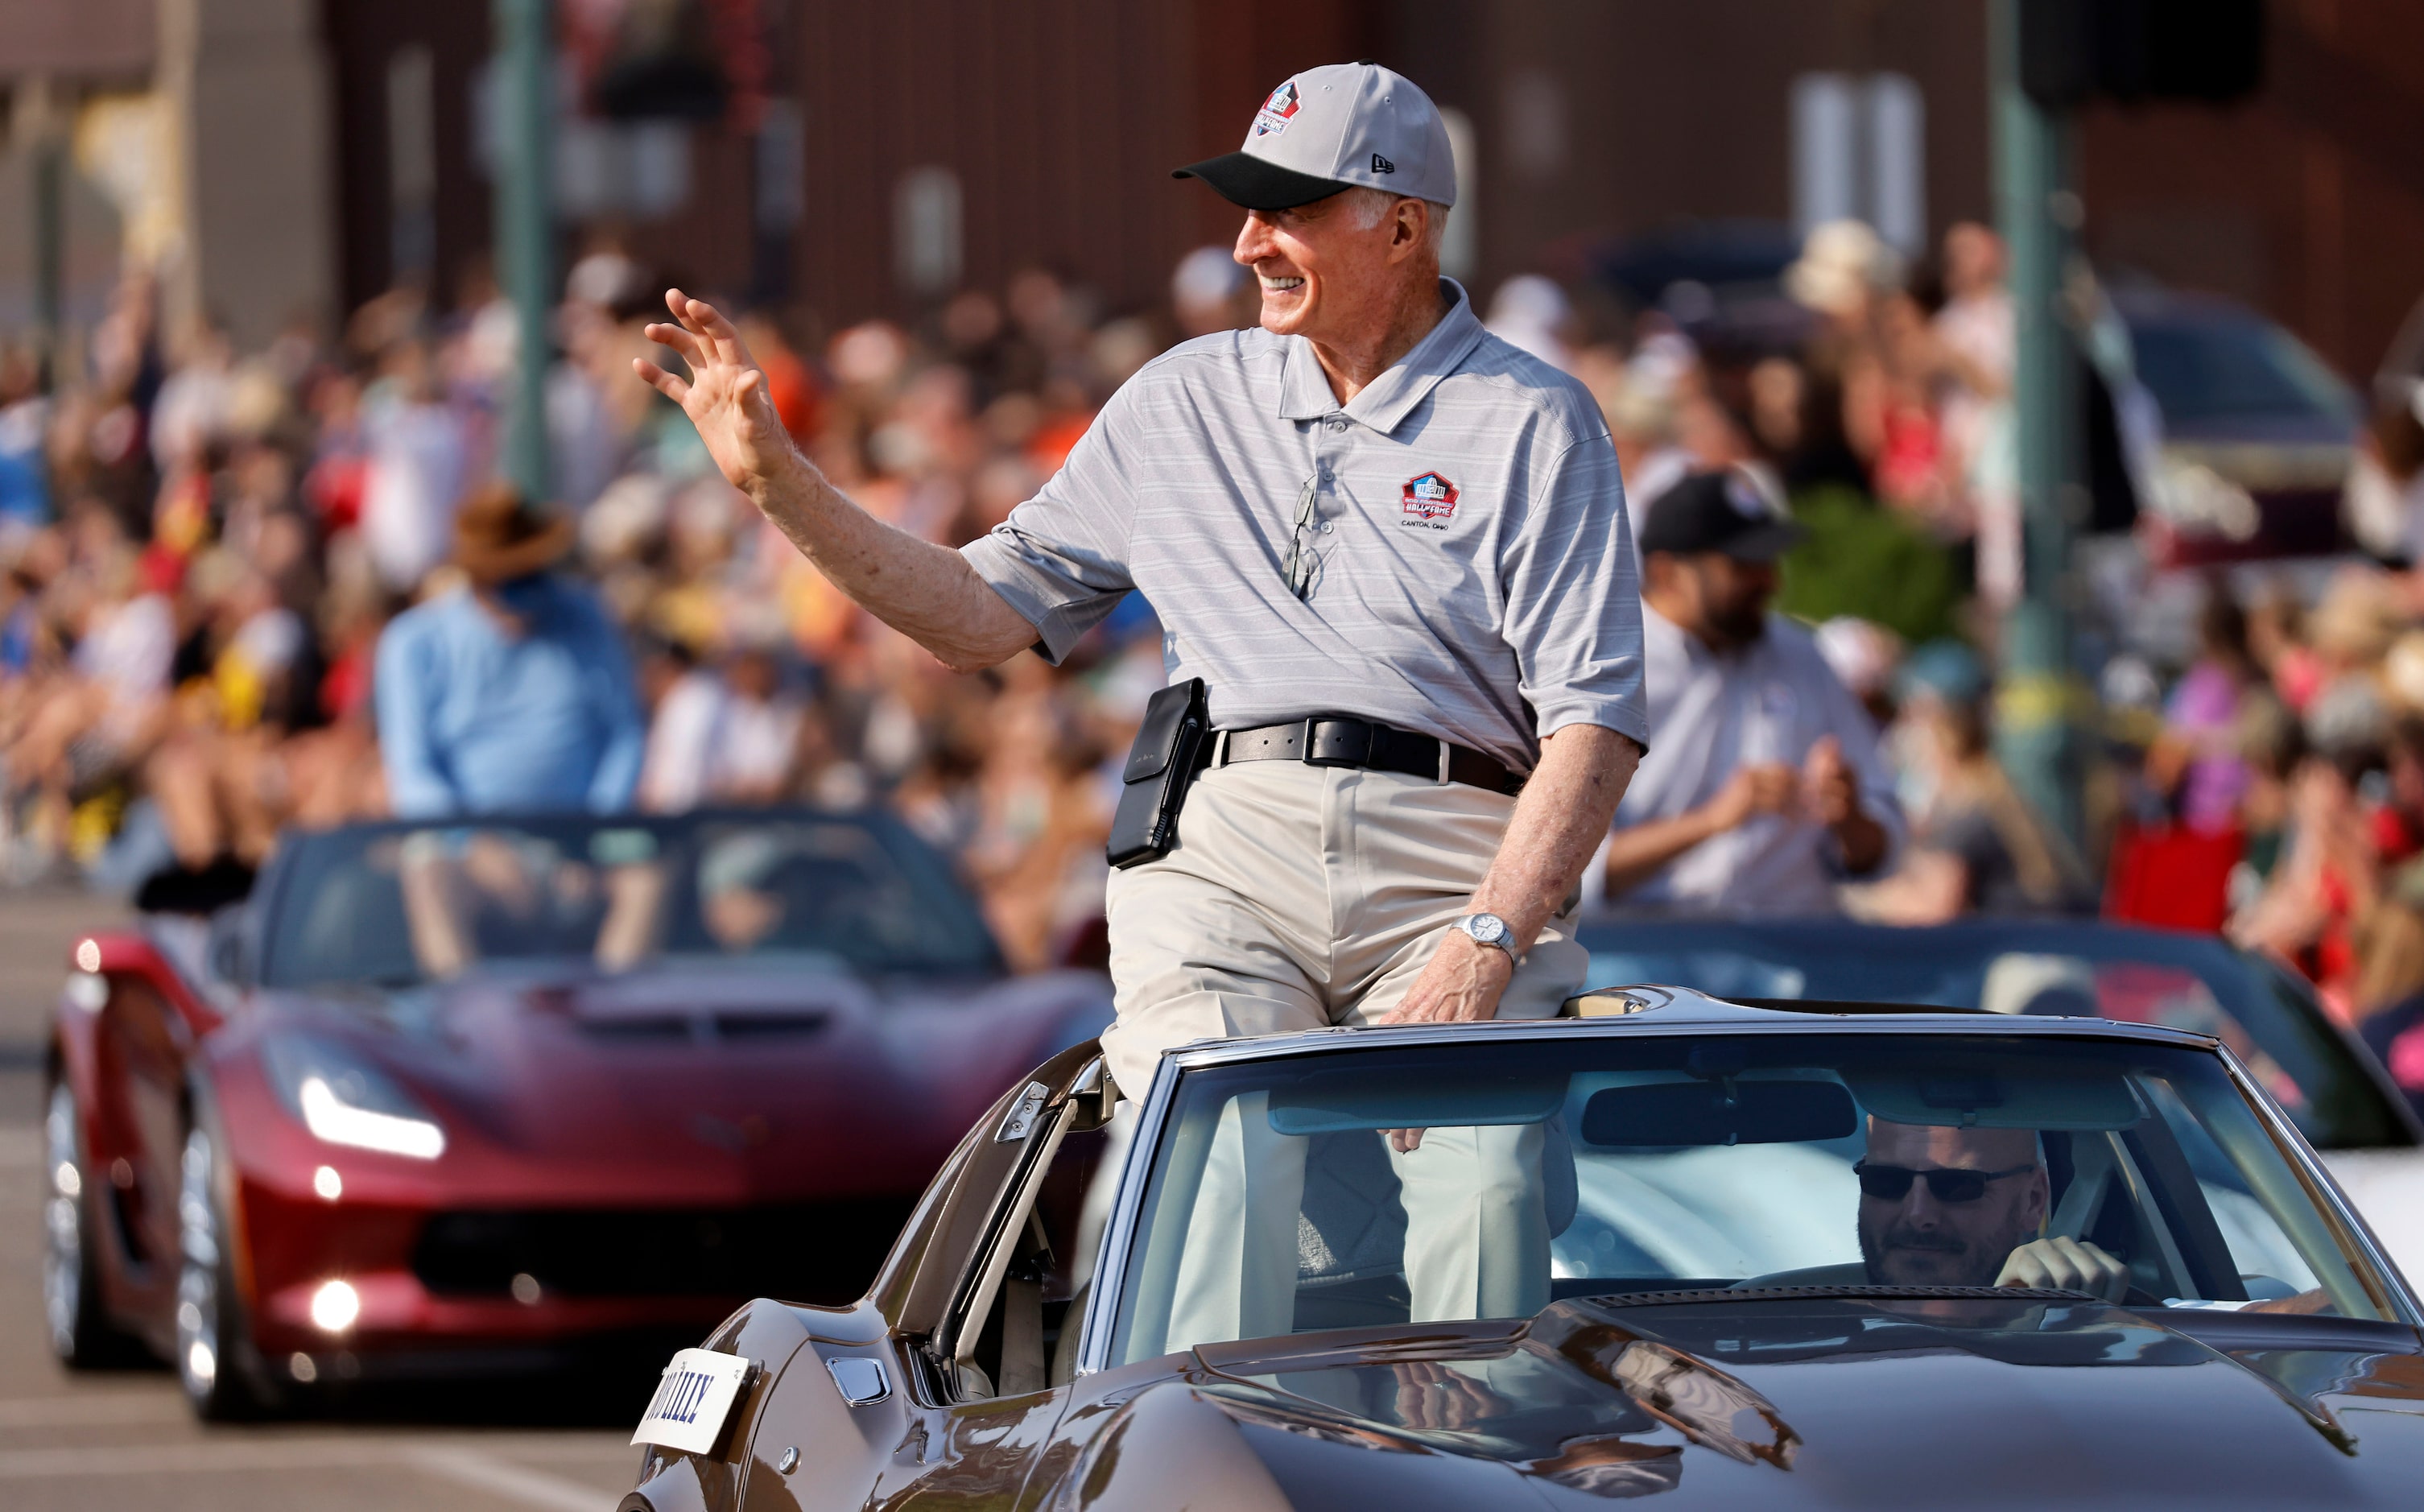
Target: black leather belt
{"type": "Point", "coordinates": [1336, 740]}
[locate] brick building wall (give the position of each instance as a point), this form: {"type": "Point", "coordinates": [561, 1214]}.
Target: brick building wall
{"type": "Point", "coordinates": [1593, 119]}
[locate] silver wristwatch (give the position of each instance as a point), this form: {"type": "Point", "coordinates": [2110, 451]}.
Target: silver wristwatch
{"type": "Point", "coordinates": [1489, 928]}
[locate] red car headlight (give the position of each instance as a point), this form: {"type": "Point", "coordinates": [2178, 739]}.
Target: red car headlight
{"type": "Point", "coordinates": [343, 1101]}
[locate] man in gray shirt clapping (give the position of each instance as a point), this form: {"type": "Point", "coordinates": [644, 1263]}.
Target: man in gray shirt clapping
{"type": "Point", "coordinates": [1765, 788]}
{"type": "Point", "coordinates": [1394, 548]}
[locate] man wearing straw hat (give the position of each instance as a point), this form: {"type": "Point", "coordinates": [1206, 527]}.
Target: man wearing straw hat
{"type": "Point", "coordinates": [513, 693]}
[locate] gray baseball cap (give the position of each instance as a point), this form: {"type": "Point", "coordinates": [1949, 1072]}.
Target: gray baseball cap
{"type": "Point", "coordinates": [1332, 128]}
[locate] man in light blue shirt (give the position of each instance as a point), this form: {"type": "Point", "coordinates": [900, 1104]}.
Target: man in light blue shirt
{"type": "Point", "coordinates": [512, 696]}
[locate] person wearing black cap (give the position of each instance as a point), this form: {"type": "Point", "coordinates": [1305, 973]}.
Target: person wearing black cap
{"type": "Point", "coordinates": [1390, 555]}
{"type": "Point", "coordinates": [1763, 786]}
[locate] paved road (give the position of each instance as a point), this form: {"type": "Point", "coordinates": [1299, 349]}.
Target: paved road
{"type": "Point", "coordinates": [97, 1443]}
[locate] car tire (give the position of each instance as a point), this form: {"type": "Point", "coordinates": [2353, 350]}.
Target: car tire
{"type": "Point", "coordinates": [215, 1357]}
{"type": "Point", "coordinates": [83, 1335]}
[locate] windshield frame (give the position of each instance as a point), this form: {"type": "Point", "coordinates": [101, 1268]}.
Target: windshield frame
{"type": "Point", "coordinates": [924, 869]}
{"type": "Point", "coordinates": [1689, 1015]}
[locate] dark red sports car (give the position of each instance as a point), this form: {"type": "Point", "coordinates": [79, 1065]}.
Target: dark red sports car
{"type": "Point", "coordinates": [449, 1098]}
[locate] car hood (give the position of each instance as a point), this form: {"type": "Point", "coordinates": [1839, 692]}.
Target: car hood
{"type": "Point", "coordinates": [1838, 1402]}
{"type": "Point", "coordinates": [704, 1085]}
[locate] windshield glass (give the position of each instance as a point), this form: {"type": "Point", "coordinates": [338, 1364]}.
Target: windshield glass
{"type": "Point", "coordinates": [2207, 370]}
{"type": "Point", "coordinates": [2180, 981]}
{"type": "Point", "coordinates": [397, 906]}
{"type": "Point", "coordinates": [1289, 1196]}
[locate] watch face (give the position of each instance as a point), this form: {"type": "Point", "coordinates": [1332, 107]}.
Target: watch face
{"type": "Point", "coordinates": [1487, 928]}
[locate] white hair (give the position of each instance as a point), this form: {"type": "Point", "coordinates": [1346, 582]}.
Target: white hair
{"type": "Point", "coordinates": [1367, 207]}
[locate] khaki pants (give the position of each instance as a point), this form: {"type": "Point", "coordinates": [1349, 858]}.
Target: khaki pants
{"type": "Point", "coordinates": [1302, 896]}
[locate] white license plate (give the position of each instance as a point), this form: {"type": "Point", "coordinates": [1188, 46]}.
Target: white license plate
{"type": "Point", "coordinates": [693, 1400]}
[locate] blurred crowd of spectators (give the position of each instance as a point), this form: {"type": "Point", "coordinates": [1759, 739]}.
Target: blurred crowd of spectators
{"type": "Point", "coordinates": [2278, 791]}
{"type": "Point", "coordinates": [200, 547]}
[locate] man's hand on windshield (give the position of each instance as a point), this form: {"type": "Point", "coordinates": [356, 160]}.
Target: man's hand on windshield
{"type": "Point", "coordinates": [2068, 1265]}
{"type": "Point", "coordinates": [1461, 985]}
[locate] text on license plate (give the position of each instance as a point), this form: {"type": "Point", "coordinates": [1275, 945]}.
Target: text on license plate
{"type": "Point", "coordinates": [693, 1399]}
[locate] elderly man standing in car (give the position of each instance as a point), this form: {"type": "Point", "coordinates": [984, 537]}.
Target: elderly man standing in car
{"type": "Point", "coordinates": [1394, 549]}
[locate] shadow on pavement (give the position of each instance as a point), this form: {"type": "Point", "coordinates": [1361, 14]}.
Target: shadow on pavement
{"type": "Point", "coordinates": [603, 1391]}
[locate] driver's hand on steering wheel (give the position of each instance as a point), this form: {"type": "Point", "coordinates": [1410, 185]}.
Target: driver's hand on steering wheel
{"type": "Point", "coordinates": [2071, 1265]}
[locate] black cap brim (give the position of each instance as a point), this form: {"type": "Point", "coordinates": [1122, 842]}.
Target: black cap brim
{"type": "Point", "coordinates": [1763, 543]}
{"type": "Point", "coordinates": [1250, 183]}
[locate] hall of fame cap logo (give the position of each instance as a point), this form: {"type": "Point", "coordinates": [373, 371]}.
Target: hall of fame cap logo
{"type": "Point", "coordinates": [1276, 111]}
{"type": "Point", "coordinates": [1430, 497]}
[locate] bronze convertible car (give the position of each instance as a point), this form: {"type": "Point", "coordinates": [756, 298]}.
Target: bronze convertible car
{"type": "Point", "coordinates": [1731, 1255]}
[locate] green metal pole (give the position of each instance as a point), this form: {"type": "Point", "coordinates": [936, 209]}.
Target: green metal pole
{"type": "Point", "coordinates": [526, 224]}
{"type": "Point", "coordinates": [50, 234]}
{"type": "Point", "coordinates": [2036, 729]}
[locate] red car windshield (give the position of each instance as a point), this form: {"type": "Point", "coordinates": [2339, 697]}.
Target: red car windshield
{"type": "Point", "coordinates": [396, 906]}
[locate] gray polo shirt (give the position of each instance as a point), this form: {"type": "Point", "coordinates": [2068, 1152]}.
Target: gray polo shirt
{"type": "Point", "coordinates": [1476, 578]}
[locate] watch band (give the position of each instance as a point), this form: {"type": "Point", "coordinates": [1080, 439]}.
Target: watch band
{"type": "Point", "coordinates": [1497, 934]}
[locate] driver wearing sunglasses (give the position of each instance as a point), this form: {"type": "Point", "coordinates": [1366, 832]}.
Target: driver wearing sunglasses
{"type": "Point", "coordinates": [1964, 1207]}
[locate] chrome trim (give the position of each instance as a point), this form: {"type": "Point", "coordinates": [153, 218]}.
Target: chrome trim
{"type": "Point", "coordinates": [2309, 1164]}
{"type": "Point", "coordinates": [862, 1383]}
{"type": "Point", "coordinates": [1119, 1232]}
{"type": "Point", "coordinates": [1678, 1012]}
{"type": "Point", "coordinates": [1019, 1205]}
{"type": "Point", "coordinates": [1019, 1121]}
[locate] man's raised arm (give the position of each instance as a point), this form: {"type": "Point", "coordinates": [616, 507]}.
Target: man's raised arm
{"type": "Point", "coordinates": [927, 592]}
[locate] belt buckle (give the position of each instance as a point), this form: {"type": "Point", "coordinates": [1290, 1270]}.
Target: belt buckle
{"type": "Point", "coordinates": [1313, 759]}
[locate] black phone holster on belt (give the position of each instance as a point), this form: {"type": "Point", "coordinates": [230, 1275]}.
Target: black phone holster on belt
{"type": "Point", "coordinates": [1170, 750]}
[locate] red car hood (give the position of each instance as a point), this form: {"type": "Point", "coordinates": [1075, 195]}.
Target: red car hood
{"type": "Point", "coordinates": [688, 1088]}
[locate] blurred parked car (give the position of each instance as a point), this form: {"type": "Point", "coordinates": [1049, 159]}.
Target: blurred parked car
{"type": "Point", "coordinates": [477, 1095]}
{"type": "Point", "coordinates": [1745, 1300]}
{"type": "Point", "coordinates": [2254, 433]}
{"type": "Point", "coordinates": [2331, 1086]}
{"type": "Point", "coordinates": [1721, 281]}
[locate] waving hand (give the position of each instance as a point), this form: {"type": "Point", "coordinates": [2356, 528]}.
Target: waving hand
{"type": "Point", "coordinates": [726, 394]}
{"type": "Point", "coordinates": [926, 591]}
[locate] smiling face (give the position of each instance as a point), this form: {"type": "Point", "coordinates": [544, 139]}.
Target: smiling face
{"type": "Point", "coordinates": [1920, 1241]}
{"type": "Point", "coordinates": [1329, 277]}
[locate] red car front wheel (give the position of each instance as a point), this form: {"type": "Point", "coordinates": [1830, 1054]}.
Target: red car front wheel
{"type": "Point", "coordinates": [214, 1351]}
